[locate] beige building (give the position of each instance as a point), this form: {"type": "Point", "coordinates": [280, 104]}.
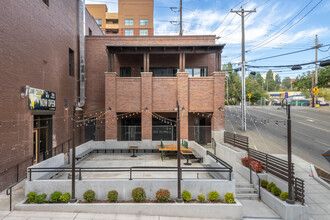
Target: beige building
{"type": "Point", "coordinates": [134, 18]}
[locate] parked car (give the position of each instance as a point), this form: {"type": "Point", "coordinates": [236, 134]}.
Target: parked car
{"type": "Point", "coordinates": [323, 104]}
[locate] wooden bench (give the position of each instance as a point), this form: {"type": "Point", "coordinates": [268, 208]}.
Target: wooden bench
{"type": "Point", "coordinates": [50, 175]}
{"type": "Point", "coordinates": [84, 154]}
{"type": "Point", "coordinates": [215, 175]}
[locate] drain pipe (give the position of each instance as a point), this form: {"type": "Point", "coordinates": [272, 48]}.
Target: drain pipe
{"type": "Point", "coordinates": [82, 9]}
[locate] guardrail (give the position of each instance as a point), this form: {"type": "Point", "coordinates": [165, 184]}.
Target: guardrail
{"type": "Point", "coordinates": [61, 148]}
{"type": "Point", "coordinates": [218, 160]}
{"type": "Point", "coordinates": [299, 190]}
{"type": "Point", "coordinates": [236, 140]}
{"type": "Point", "coordinates": [130, 170]}
{"type": "Point", "coordinates": [270, 164]}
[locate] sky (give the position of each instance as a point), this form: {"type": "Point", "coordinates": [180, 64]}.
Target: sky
{"type": "Point", "coordinates": [277, 27]}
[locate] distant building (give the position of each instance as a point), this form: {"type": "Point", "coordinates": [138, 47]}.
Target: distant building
{"type": "Point", "coordinates": [134, 18]}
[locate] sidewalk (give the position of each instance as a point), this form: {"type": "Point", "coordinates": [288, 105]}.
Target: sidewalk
{"type": "Point", "coordinates": [317, 197]}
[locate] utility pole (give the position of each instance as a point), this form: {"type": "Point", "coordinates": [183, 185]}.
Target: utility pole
{"type": "Point", "coordinates": [181, 18]}
{"type": "Point", "coordinates": [227, 90]}
{"type": "Point", "coordinates": [243, 13]}
{"type": "Point", "coordinates": [179, 199]}
{"type": "Point", "coordinates": [317, 45]}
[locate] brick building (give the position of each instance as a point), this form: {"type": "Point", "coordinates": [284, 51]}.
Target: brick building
{"type": "Point", "coordinates": [39, 47]}
{"type": "Point", "coordinates": [138, 80]}
{"type": "Point", "coordinates": [134, 18]}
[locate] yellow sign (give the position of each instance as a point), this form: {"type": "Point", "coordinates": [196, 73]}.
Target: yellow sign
{"type": "Point", "coordinates": [316, 89]}
{"type": "Point", "coordinates": [316, 93]}
{"type": "Point", "coordinates": [281, 95]}
{"type": "Point", "coordinates": [249, 95]}
{"type": "Point", "coordinates": [317, 105]}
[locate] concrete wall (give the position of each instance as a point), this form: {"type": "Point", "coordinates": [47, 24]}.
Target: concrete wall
{"type": "Point", "coordinates": [125, 187]}
{"type": "Point", "coordinates": [55, 161]}
{"type": "Point", "coordinates": [229, 155]}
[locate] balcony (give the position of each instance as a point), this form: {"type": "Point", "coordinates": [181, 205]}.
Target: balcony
{"type": "Point", "coordinates": [112, 26]}
{"type": "Point", "coordinates": [111, 16]}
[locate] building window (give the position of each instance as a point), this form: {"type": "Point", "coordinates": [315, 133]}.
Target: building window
{"type": "Point", "coordinates": [163, 72]}
{"type": "Point", "coordinates": [98, 22]}
{"type": "Point", "coordinates": [71, 62]}
{"type": "Point", "coordinates": [143, 22]}
{"type": "Point", "coordinates": [129, 22]}
{"type": "Point", "coordinates": [90, 32]}
{"type": "Point", "coordinates": [46, 2]}
{"type": "Point", "coordinates": [129, 33]}
{"type": "Point", "coordinates": [125, 71]}
{"type": "Point", "coordinates": [196, 72]}
{"type": "Point", "coordinates": [143, 32]}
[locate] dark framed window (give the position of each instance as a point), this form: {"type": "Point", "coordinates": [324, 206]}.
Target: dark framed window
{"type": "Point", "coordinates": [71, 62]}
{"type": "Point", "coordinates": [125, 71]}
{"type": "Point", "coordinates": [98, 22]}
{"type": "Point", "coordinates": [46, 2]}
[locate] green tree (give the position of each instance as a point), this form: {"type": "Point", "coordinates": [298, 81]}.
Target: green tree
{"type": "Point", "coordinates": [324, 77]}
{"type": "Point", "coordinates": [259, 79]}
{"type": "Point", "coordinates": [286, 83]}
{"type": "Point", "coordinates": [270, 84]}
{"type": "Point", "coordinates": [277, 82]}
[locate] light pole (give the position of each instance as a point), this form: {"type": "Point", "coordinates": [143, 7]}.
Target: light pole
{"type": "Point", "coordinates": [179, 199]}
{"type": "Point", "coordinates": [290, 198]}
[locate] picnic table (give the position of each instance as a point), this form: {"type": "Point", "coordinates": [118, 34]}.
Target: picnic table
{"type": "Point", "coordinates": [186, 152]}
{"type": "Point", "coordinates": [134, 148]}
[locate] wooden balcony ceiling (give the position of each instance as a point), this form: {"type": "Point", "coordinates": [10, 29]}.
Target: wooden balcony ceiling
{"type": "Point", "coordinates": [164, 49]}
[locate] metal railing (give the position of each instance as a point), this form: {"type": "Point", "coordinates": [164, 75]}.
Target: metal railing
{"type": "Point", "coordinates": [299, 190]}
{"type": "Point", "coordinates": [218, 160]}
{"type": "Point", "coordinates": [129, 170]}
{"type": "Point", "coordinates": [61, 148]}
{"type": "Point", "coordinates": [14, 173]}
{"type": "Point", "coordinates": [252, 168]}
{"type": "Point", "coordinates": [236, 140]}
{"type": "Point", "coordinates": [271, 164]}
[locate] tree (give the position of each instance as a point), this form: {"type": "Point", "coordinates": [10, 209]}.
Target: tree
{"type": "Point", "coordinates": [286, 83]}
{"type": "Point", "coordinates": [324, 77]}
{"type": "Point", "coordinates": [278, 82]}
{"type": "Point", "coordinates": [259, 79]}
{"type": "Point", "coordinates": [270, 84]}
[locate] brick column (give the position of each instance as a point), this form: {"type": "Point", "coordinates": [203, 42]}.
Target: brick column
{"type": "Point", "coordinates": [110, 101]}
{"type": "Point", "coordinates": [218, 119]}
{"type": "Point", "coordinates": [183, 102]}
{"type": "Point", "coordinates": [146, 102]}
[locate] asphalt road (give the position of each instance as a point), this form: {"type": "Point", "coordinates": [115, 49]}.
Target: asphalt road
{"type": "Point", "coordinates": [310, 130]}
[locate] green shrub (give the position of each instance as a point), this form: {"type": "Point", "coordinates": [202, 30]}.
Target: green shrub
{"type": "Point", "coordinates": [264, 183]}
{"type": "Point", "coordinates": [55, 196]}
{"type": "Point", "coordinates": [270, 185]}
{"type": "Point", "coordinates": [31, 197]}
{"type": "Point", "coordinates": [41, 198]}
{"type": "Point", "coordinates": [112, 196]}
{"type": "Point", "coordinates": [65, 197]}
{"type": "Point", "coordinates": [186, 196]}
{"type": "Point", "coordinates": [163, 195]}
{"type": "Point", "coordinates": [201, 198]}
{"type": "Point", "coordinates": [138, 194]}
{"type": "Point", "coordinates": [276, 191]}
{"type": "Point", "coordinates": [284, 195]}
{"type": "Point", "coordinates": [89, 195]}
{"type": "Point", "coordinates": [213, 196]}
{"type": "Point", "coordinates": [229, 198]}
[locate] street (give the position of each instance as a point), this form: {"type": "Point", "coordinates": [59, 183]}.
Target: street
{"type": "Point", "coordinates": [267, 131]}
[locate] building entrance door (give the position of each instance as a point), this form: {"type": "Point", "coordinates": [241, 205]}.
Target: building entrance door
{"type": "Point", "coordinates": [42, 132]}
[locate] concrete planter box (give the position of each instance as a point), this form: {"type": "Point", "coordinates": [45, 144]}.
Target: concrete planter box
{"type": "Point", "coordinates": [197, 210]}
{"type": "Point", "coordinates": [283, 209]}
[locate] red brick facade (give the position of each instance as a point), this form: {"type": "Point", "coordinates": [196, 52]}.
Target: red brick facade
{"type": "Point", "coordinates": [144, 93]}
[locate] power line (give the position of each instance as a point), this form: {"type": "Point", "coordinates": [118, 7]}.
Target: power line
{"type": "Point", "coordinates": [270, 40]}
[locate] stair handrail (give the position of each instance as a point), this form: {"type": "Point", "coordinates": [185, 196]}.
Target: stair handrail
{"type": "Point", "coordinates": [251, 167]}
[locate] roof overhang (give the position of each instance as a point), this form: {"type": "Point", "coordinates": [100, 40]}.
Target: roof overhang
{"type": "Point", "coordinates": [164, 49]}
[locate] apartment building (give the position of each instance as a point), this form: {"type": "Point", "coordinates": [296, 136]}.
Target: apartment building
{"type": "Point", "coordinates": [134, 18]}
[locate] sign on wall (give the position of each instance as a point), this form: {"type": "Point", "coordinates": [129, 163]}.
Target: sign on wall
{"type": "Point", "coordinates": [42, 100]}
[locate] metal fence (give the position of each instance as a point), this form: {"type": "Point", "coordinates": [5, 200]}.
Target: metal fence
{"type": "Point", "coordinates": [129, 133]}
{"type": "Point", "coordinates": [273, 165]}
{"type": "Point", "coordinates": [163, 132]}
{"type": "Point", "coordinates": [236, 140]}
{"type": "Point", "coordinates": [129, 170]}
{"type": "Point", "coordinates": [18, 172]}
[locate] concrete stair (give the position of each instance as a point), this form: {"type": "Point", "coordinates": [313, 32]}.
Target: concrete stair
{"type": "Point", "coordinates": [246, 191]}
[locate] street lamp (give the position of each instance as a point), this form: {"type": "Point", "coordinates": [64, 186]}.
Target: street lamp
{"type": "Point", "coordinates": [178, 155]}
{"type": "Point", "coordinates": [73, 157]}
{"type": "Point", "coordinates": [290, 199]}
